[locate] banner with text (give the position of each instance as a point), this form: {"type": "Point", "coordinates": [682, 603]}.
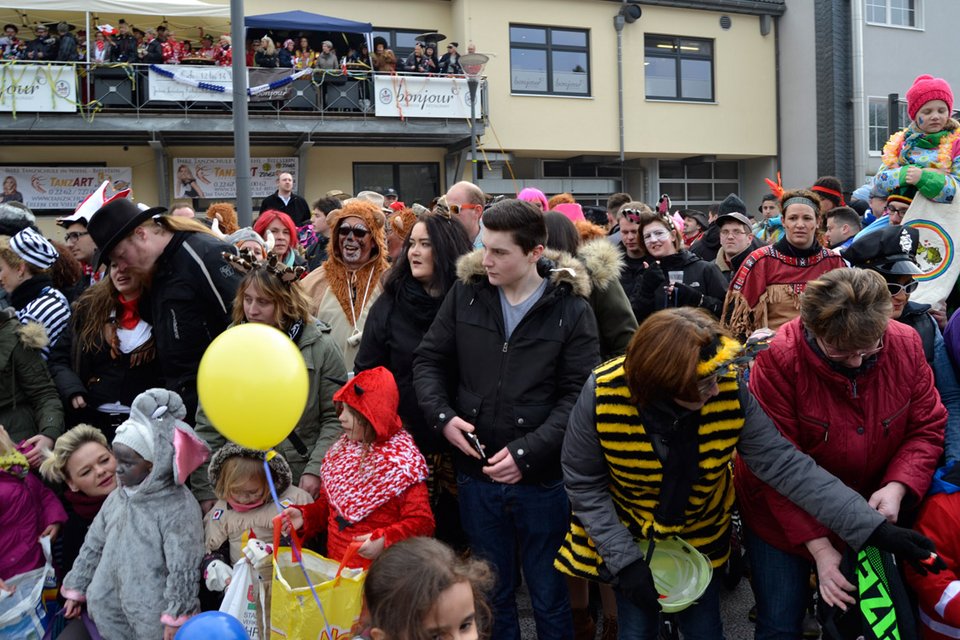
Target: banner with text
{"type": "Point", "coordinates": [422, 97]}
{"type": "Point", "coordinates": [36, 87]}
{"type": "Point", "coordinates": [216, 177]}
{"type": "Point", "coordinates": [59, 187]}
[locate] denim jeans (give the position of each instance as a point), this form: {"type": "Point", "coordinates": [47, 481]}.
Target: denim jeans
{"type": "Point", "coordinates": [700, 621]}
{"type": "Point", "coordinates": [499, 517]}
{"type": "Point", "coordinates": [781, 586]}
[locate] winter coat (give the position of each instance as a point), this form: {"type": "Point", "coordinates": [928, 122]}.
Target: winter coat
{"type": "Point", "coordinates": [296, 207]}
{"type": "Point", "coordinates": [27, 507]}
{"type": "Point", "coordinates": [29, 404]}
{"type": "Point", "coordinates": [769, 231]}
{"type": "Point", "coordinates": [729, 266]}
{"type": "Point", "coordinates": [517, 392]}
{"type": "Point", "coordinates": [883, 425]}
{"type": "Point", "coordinates": [631, 278]}
{"type": "Point", "coordinates": [36, 300]}
{"type": "Point", "coordinates": [611, 307]}
{"type": "Point", "coordinates": [124, 49]}
{"type": "Point", "coordinates": [704, 285]}
{"type": "Point", "coordinates": [137, 569]}
{"type": "Point", "coordinates": [154, 53]}
{"type": "Point", "coordinates": [708, 245]}
{"type": "Point", "coordinates": [588, 473]}
{"type": "Point", "coordinates": [264, 59]}
{"type": "Point", "coordinates": [189, 303]}
{"type": "Point", "coordinates": [318, 427]}
{"type": "Point", "coordinates": [449, 64]}
{"type": "Point", "coordinates": [285, 57]}
{"type": "Point", "coordinates": [912, 147]}
{"type": "Point", "coordinates": [67, 48]}
{"type": "Point", "coordinates": [42, 49]}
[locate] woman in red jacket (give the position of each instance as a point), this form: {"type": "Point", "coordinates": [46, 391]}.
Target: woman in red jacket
{"type": "Point", "coordinates": [373, 478]}
{"type": "Point", "coordinates": [852, 390]}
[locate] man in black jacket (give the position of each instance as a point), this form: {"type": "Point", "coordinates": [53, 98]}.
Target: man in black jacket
{"type": "Point", "coordinates": [124, 45]}
{"type": "Point", "coordinates": [522, 346]}
{"type": "Point", "coordinates": [192, 287]}
{"type": "Point", "coordinates": [285, 200]}
{"type": "Point", "coordinates": [44, 47]}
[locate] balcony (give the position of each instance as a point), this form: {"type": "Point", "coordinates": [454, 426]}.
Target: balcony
{"type": "Point", "coordinates": [89, 104]}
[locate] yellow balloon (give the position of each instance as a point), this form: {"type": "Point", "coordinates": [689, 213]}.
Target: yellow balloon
{"type": "Point", "coordinates": [253, 385]}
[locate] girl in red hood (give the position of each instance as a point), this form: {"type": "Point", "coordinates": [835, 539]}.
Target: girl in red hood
{"type": "Point", "coordinates": [373, 487]}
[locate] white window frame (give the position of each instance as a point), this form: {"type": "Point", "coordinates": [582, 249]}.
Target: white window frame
{"type": "Point", "coordinates": [713, 181]}
{"type": "Point", "coordinates": [881, 101]}
{"type": "Point", "coordinates": [917, 16]}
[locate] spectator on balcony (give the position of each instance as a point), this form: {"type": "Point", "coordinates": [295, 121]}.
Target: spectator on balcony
{"type": "Point", "coordinates": [154, 51]}
{"type": "Point", "coordinates": [287, 53]}
{"type": "Point", "coordinates": [170, 48]}
{"type": "Point", "coordinates": [266, 54]}
{"type": "Point", "coordinates": [207, 48]}
{"type": "Point", "coordinates": [384, 60]}
{"type": "Point", "coordinates": [124, 47]}
{"type": "Point", "coordinates": [43, 47]}
{"type": "Point", "coordinates": [286, 201]}
{"type": "Point", "coordinates": [450, 61]}
{"type": "Point", "coordinates": [224, 54]}
{"type": "Point", "coordinates": [328, 56]}
{"type": "Point", "coordinates": [10, 42]}
{"type": "Point", "coordinates": [102, 48]}
{"type": "Point", "coordinates": [415, 61]}
{"type": "Point", "coordinates": [430, 62]}
{"type": "Point", "coordinates": [305, 58]}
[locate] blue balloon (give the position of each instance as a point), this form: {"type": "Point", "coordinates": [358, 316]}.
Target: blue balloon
{"type": "Point", "coordinates": [212, 624]}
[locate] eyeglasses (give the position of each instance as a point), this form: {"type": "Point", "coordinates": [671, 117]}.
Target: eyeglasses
{"type": "Point", "coordinates": [732, 232]}
{"type": "Point", "coordinates": [895, 288]}
{"type": "Point", "coordinates": [706, 385]}
{"type": "Point", "coordinates": [357, 232]}
{"type": "Point", "coordinates": [74, 235]}
{"type": "Point", "coordinates": [896, 210]}
{"type": "Point", "coordinates": [656, 235]}
{"type": "Point", "coordinates": [455, 209]}
{"type": "Point", "coordinates": [846, 355]}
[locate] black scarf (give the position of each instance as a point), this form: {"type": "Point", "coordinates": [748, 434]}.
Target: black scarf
{"type": "Point", "coordinates": [29, 291]}
{"type": "Point", "coordinates": [414, 302]}
{"type": "Point", "coordinates": [673, 431]}
{"type": "Point", "coordinates": [787, 249]}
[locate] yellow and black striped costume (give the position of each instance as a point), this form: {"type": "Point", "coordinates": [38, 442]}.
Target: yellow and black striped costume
{"type": "Point", "coordinates": [636, 474]}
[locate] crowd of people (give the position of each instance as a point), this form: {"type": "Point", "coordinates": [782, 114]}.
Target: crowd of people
{"type": "Point", "coordinates": [539, 385]}
{"type": "Point", "coordinates": [126, 43]}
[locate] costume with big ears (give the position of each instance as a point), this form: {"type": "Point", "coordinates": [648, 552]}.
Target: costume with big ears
{"type": "Point", "coordinates": [137, 569]}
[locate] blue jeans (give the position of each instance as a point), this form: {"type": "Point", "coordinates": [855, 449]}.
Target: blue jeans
{"type": "Point", "coordinates": [700, 621]}
{"type": "Point", "coordinates": [498, 517]}
{"type": "Point", "coordinates": [781, 586]}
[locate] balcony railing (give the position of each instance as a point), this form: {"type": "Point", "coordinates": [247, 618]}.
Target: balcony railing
{"type": "Point", "coordinates": [186, 90]}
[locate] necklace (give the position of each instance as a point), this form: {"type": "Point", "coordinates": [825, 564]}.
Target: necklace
{"type": "Point", "coordinates": [894, 148]}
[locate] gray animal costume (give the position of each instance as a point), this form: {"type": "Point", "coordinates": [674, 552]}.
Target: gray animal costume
{"type": "Point", "coordinates": [137, 569]}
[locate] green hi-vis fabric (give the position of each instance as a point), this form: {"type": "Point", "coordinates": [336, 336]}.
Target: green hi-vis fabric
{"type": "Point", "coordinates": [636, 474]}
{"type": "Point", "coordinates": [876, 605]}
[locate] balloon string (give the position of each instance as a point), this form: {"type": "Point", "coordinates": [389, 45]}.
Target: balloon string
{"type": "Point", "coordinates": [296, 554]}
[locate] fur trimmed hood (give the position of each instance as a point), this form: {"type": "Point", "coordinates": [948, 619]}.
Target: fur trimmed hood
{"type": "Point", "coordinates": [282, 476]}
{"type": "Point", "coordinates": [33, 335]}
{"type": "Point", "coordinates": [564, 269]}
{"type": "Point", "coordinates": [603, 260]}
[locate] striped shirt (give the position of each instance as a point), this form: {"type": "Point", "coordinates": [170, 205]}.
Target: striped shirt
{"type": "Point", "coordinates": [51, 311]}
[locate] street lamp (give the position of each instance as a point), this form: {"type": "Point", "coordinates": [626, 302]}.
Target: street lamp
{"type": "Point", "coordinates": [473, 64]}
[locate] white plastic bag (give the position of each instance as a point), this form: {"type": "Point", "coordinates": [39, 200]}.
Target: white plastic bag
{"type": "Point", "coordinates": [22, 614]}
{"type": "Point", "coordinates": [240, 598]}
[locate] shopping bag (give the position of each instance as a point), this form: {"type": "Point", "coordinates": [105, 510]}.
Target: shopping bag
{"type": "Point", "coordinates": [939, 227]}
{"type": "Point", "coordinates": [22, 613]}
{"type": "Point", "coordinates": [294, 612]}
{"type": "Point", "coordinates": [240, 598]}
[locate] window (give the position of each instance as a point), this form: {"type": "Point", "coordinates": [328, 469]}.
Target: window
{"type": "Point", "coordinates": [698, 184]}
{"type": "Point", "coordinates": [877, 122]}
{"type": "Point", "coordinates": [563, 169]}
{"type": "Point", "coordinates": [400, 41]}
{"type": "Point", "coordinates": [897, 13]}
{"type": "Point", "coordinates": [414, 182]}
{"type": "Point", "coordinates": [549, 60]}
{"type": "Point", "coordinates": [678, 68]}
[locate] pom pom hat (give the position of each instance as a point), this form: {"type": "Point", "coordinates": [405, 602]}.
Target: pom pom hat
{"type": "Point", "coordinates": [926, 88]}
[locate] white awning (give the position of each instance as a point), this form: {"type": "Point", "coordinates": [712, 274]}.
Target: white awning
{"type": "Point", "coordinates": [124, 7]}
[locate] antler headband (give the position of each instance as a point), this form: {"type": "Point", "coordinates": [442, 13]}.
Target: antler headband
{"type": "Point", "coordinates": [246, 262]}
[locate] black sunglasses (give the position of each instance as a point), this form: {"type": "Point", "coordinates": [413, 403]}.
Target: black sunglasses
{"type": "Point", "coordinates": [358, 232]}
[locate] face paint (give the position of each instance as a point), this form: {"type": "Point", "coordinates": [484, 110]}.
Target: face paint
{"type": "Point", "coordinates": [920, 120]}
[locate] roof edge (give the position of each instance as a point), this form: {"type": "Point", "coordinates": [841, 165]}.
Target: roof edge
{"type": "Point", "coordinates": [752, 7]}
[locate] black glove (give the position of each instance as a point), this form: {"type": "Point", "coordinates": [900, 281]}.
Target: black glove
{"type": "Point", "coordinates": [653, 280]}
{"type": "Point", "coordinates": [686, 295]}
{"type": "Point", "coordinates": [636, 582]}
{"type": "Point", "coordinates": [908, 545]}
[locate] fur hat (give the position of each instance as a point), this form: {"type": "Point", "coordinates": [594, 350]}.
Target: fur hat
{"type": "Point", "coordinates": [732, 203]}
{"type": "Point", "coordinates": [138, 436]}
{"type": "Point", "coordinates": [926, 88]}
{"type": "Point", "coordinates": [374, 394]}
{"type": "Point", "coordinates": [15, 217]}
{"type": "Point", "coordinates": [279, 469]}
{"type": "Point", "coordinates": [402, 221]}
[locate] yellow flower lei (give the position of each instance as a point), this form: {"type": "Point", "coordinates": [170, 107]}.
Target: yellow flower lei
{"type": "Point", "coordinates": [891, 150]}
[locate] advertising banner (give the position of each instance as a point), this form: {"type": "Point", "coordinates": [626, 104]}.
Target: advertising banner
{"type": "Point", "coordinates": [38, 87]}
{"type": "Point", "coordinates": [216, 177]}
{"type": "Point", "coordinates": [185, 83]}
{"type": "Point", "coordinates": [59, 187]}
{"type": "Point", "coordinates": [422, 97]}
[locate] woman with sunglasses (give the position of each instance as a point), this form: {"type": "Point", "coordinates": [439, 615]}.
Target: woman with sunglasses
{"type": "Point", "coordinates": [646, 456]}
{"type": "Point", "coordinates": [891, 252]}
{"type": "Point", "coordinates": [675, 277]}
{"type": "Point", "coordinates": [852, 390]}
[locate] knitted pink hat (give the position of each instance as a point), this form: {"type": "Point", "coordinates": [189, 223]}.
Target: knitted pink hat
{"type": "Point", "coordinates": [573, 211]}
{"type": "Point", "coordinates": [926, 88]}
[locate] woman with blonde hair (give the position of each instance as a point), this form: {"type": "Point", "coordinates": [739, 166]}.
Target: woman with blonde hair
{"type": "Point", "coordinates": [266, 54]}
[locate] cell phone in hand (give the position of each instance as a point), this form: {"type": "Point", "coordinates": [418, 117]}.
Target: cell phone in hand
{"type": "Point", "coordinates": [475, 444]}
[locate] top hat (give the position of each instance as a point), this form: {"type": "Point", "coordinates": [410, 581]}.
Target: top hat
{"type": "Point", "coordinates": [114, 221]}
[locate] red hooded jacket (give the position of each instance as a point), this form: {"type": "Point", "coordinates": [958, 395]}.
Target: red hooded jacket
{"type": "Point", "coordinates": [885, 425]}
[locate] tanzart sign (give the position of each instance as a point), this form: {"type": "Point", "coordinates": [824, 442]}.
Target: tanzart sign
{"type": "Point", "coordinates": [422, 97]}
{"type": "Point", "coordinates": [216, 177]}
{"type": "Point", "coordinates": [38, 87]}
{"type": "Point", "coordinates": [59, 187]}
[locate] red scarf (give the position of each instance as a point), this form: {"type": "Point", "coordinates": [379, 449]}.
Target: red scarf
{"type": "Point", "coordinates": [129, 313]}
{"type": "Point", "coordinates": [358, 478]}
{"type": "Point", "coordinates": [87, 507]}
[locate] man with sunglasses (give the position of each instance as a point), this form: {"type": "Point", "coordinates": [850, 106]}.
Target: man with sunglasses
{"type": "Point", "coordinates": [465, 201]}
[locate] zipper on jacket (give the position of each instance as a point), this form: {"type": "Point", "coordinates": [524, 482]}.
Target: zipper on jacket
{"type": "Point", "coordinates": [505, 346]}
{"type": "Point", "coordinates": [819, 423]}
{"type": "Point", "coordinates": [853, 387]}
{"type": "Point", "coordinates": [886, 422]}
